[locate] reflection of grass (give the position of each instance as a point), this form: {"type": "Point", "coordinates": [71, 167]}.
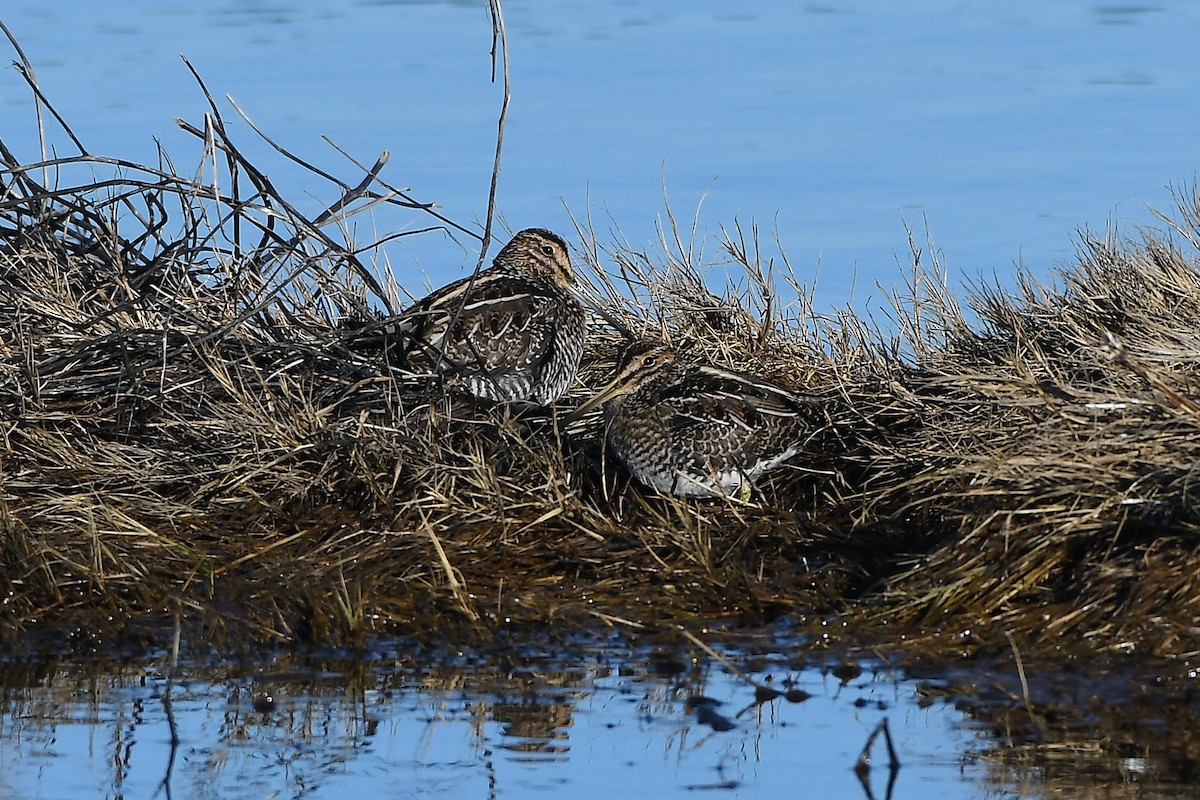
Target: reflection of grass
{"type": "Point", "coordinates": [184, 434]}
{"type": "Point", "coordinates": [1125, 730]}
{"type": "Point", "coordinates": [1122, 727]}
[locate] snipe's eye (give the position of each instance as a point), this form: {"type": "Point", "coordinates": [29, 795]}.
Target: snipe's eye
{"type": "Point", "coordinates": [649, 361]}
{"type": "Point", "coordinates": [547, 249]}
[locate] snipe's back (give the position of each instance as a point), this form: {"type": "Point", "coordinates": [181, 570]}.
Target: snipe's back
{"type": "Point", "coordinates": [513, 332]}
{"type": "Point", "coordinates": [698, 431]}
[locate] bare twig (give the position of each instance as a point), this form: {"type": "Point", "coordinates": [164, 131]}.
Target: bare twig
{"type": "Point", "coordinates": [1020, 671]}
{"type": "Point", "coordinates": [863, 764]}
{"type": "Point", "coordinates": [500, 48]}
{"type": "Point", "coordinates": [27, 72]}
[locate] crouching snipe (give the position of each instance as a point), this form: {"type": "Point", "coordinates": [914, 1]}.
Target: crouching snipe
{"type": "Point", "coordinates": [698, 431]}
{"type": "Point", "coordinates": [514, 332]}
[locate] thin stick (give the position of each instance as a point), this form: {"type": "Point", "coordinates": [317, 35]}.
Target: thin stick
{"type": "Point", "coordinates": [168, 708]}
{"type": "Point", "coordinates": [893, 759]}
{"type": "Point", "coordinates": [26, 70]}
{"type": "Point", "coordinates": [864, 758]}
{"type": "Point", "coordinates": [336, 210]}
{"type": "Point", "coordinates": [500, 37]}
{"type": "Point", "coordinates": [726, 663]}
{"type": "Point", "coordinates": [1020, 671]}
{"type": "Point", "coordinates": [406, 200]}
{"type": "Point", "coordinates": [231, 162]}
{"type": "Point", "coordinates": [456, 585]}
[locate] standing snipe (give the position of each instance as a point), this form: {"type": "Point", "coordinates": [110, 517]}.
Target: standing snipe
{"type": "Point", "coordinates": [698, 431]}
{"type": "Point", "coordinates": [513, 332]}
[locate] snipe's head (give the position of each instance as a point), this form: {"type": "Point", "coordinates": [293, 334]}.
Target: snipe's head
{"type": "Point", "coordinates": [539, 253]}
{"type": "Point", "coordinates": [642, 364]}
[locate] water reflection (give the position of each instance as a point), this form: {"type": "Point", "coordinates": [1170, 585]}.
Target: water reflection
{"type": "Point", "coordinates": [596, 722]}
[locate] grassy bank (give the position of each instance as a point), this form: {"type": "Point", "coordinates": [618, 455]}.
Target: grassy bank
{"type": "Point", "coordinates": [184, 436]}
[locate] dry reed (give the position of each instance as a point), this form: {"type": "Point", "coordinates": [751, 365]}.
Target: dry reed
{"type": "Point", "coordinates": [184, 436]}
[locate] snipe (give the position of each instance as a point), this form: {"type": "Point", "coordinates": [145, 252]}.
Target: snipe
{"type": "Point", "coordinates": [698, 431]}
{"type": "Point", "coordinates": [514, 332]}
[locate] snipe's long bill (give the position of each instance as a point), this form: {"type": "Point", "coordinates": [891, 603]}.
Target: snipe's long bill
{"type": "Point", "coordinates": [698, 431]}
{"type": "Point", "coordinates": [514, 332]}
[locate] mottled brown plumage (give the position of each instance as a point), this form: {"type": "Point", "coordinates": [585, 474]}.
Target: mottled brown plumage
{"type": "Point", "coordinates": [514, 332]}
{"type": "Point", "coordinates": [695, 430]}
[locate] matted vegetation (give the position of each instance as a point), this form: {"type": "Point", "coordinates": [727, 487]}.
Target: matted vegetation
{"type": "Point", "coordinates": [186, 437]}
{"type": "Point", "coordinates": [1057, 449]}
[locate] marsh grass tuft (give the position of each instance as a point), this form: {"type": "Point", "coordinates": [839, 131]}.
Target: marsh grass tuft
{"type": "Point", "coordinates": [185, 436]}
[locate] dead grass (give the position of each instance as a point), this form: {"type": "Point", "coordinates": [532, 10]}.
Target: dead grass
{"type": "Point", "coordinates": [183, 434]}
{"type": "Point", "coordinates": [1056, 449]}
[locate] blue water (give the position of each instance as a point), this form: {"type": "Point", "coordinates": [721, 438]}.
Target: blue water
{"type": "Point", "coordinates": [602, 725]}
{"type": "Point", "coordinates": [1005, 126]}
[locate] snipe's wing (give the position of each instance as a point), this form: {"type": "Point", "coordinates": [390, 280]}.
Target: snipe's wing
{"type": "Point", "coordinates": [726, 421]}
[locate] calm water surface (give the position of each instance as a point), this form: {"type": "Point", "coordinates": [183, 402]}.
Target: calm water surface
{"type": "Point", "coordinates": [609, 717]}
{"type": "Point", "coordinates": [610, 722]}
{"type": "Point", "coordinates": [1006, 125]}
